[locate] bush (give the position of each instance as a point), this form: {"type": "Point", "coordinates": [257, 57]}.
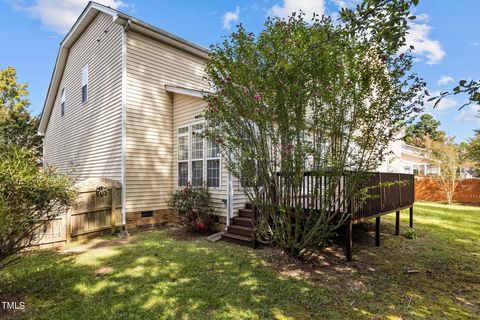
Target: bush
{"type": "Point", "coordinates": [30, 198]}
{"type": "Point", "coordinates": [193, 207]}
{"type": "Point", "coordinates": [411, 233]}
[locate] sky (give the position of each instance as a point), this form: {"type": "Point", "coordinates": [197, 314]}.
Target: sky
{"type": "Point", "coordinates": [445, 36]}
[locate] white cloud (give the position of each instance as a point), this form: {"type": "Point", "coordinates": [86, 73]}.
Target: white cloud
{"type": "Point", "coordinates": [444, 80]}
{"type": "Point", "coordinates": [419, 38]}
{"type": "Point", "coordinates": [230, 17]}
{"type": "Point", "coordinates": [476, 44]}
{"type": "Point", "coordinates": [58, 15]}
{"type": "Point", "coordinates": [469, 113]}
{"type": "Point", "coordinates": [346, 3]}
{"type": "Point", "coordinates": [307, 6]}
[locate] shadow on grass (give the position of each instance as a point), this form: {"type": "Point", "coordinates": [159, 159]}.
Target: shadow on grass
{"type": "Point", "coordinates": [157, 277]}
{"type": "Point", "coordinates": [160, 278]}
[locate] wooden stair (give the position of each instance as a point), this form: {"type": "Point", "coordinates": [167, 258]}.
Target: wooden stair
{"type": "Point", "coordinates": [240, 231]}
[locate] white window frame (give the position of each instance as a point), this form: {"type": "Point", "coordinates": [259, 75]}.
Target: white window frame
{"type": "Point", "coordinates": [184, 134]}
{"type": "Point", "coordinates": [204, 159]}
{"type": "Point", "coordinates": [192, 133]}
{"type": "Point", "coordinates": [208, 158]}
{"type": "Point", "coordinates": [85, 83]}
{"type": "Point", "coordinates": [63, 96]}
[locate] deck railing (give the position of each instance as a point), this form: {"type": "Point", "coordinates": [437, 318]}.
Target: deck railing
{"type": "Point", "coordinates": [387, 192]}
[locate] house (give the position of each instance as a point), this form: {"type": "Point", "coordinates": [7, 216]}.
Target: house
{"type": "Point", "coordinates": [405, 158]}
{"type": "Point", "coordinates": [124, 103]}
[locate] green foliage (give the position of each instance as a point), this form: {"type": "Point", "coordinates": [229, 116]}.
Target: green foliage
{"type": "Point", "coordinates": [472, 152]}
{"type": "Point", "coordinates": [469, 88]}
{"type": "Point", "coordinates": [17, 126]}
{"type": "Point", "coordinates": [29, 199]}
{"type": "Point", "coordinates": [427, 126]}
{"type": "Point", "coordinates": [193, 207]}
{"type": "Point", "coordinates": [411, 233]}
{"type": "Point", "coordinates": [12, 94]}
{"type": "Point", "coordinates": [310, 96]}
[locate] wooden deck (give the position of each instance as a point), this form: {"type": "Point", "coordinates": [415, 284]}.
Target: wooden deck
{"type": "Point", "coordinates": [398, 196]}
{"type": "Point", "coordinates": [388, 193]}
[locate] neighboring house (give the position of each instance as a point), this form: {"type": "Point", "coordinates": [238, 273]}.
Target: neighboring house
{"type": "Point", "coordinates": [414, 161]}
{"type": "Point", "coordinates": [405, 158]}
{"type": "Point", "coordinates": [125, 103]}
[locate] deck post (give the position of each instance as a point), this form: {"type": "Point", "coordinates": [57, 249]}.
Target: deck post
{"type": "Point", "coordinates": [397, 223]}
{"type": "Point", "coordinates": [348, 239]}
{"type": "Point", "coordinates": [377, 231]}
{"type": "Point", "coordinates": [411, 217]}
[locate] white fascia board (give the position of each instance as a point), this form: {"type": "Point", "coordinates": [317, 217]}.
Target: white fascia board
{"type": "Point", "coordinates": [186, 91]}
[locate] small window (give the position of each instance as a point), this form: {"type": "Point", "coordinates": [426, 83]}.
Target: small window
{"type": "Point", "coordinates": [146, 214]}
{"type": "Point", "coordinates": [85, 84]}
{"type": "Point", "coordinates": [62, 102]}
{"type": "Point", "coordinates": [182, 130]}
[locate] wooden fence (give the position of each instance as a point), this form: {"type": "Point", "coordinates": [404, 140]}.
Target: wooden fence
{"type": "Point", "coordinates": [97, 210]}
{"type": "Point", "coordinates": [427, 189]}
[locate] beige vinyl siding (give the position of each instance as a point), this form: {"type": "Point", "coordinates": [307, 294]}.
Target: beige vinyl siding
{"type": "Point", "coordinates": [87, 139]}
{"type": "Point", "coordinates": [149, 117]}
{"type": "Point", "coordinates": [185, 110]}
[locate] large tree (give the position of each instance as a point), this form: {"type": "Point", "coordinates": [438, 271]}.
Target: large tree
{"type": "Point", "coordinates": [316, 98]}
{"type": "Point", "coordinates": [17, 125]}
{"type": "Point", "coordinates": [425, 127]}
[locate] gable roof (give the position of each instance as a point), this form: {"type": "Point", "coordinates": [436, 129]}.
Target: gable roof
{"type": "Point", "coordinates": [86, 17]}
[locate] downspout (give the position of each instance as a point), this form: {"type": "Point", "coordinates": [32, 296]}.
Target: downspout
{"type": "Point", "coordinates": [124, 122]}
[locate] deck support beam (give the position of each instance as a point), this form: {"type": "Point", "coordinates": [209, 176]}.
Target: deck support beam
{"type": "Point", "coordinates": [377, 231]}
{"type": "Point", "coordinates": [348, 239]}
{"type": "Point", "coordinates": [411, 217]}
{"type": "Point", "coordinates": [397, 223]}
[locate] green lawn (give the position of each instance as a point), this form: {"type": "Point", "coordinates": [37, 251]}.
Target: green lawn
{"type": "Point", "coordinates": [156, 277]}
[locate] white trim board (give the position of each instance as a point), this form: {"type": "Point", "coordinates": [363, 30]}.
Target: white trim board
{"type": "Point", "coordinates": [185, 91]}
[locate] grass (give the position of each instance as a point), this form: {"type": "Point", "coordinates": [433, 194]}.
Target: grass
{"type": "Point", "coordinates": [158, 277]}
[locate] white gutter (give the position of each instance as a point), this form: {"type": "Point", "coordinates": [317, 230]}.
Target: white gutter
{"type": "Point", "coordinates": [124, 122]}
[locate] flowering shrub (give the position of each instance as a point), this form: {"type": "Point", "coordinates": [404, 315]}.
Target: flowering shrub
{"type": "Point", "coordinates": [311, 96]}
{"type": "Point", "coordinates": [193, 207]}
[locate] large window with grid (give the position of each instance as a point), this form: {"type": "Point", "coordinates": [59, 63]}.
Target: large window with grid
{"type": "Point", "coordinates": [198, 158]}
